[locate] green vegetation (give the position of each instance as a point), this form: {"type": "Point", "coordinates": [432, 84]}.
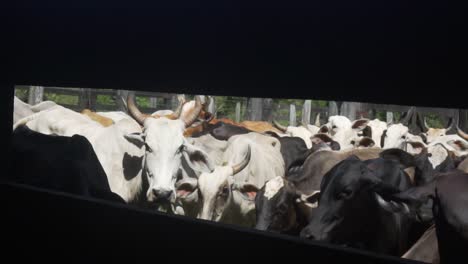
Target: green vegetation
{"type": "Point", "coordinates": [225, 106]}
{"type": "Point", "coordinates": [105, 100]}
{"type": "Point", "coordinates": [433, 120]}
{"type": "Point", "coordinates": [61, 98]}
{"type": "Point", "coordinates": [22, 94]}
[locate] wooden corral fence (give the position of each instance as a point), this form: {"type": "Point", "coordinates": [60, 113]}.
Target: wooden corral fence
{"type": "Point", "coordinates": [265, 109]}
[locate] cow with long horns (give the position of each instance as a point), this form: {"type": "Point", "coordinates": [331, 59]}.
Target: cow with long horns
{"type": "Point", "coordinates": [165, 147]}
{"type": "Point", "coordinates": [227, 194]}
{"type": "Point", "coordinates": [132, 159]}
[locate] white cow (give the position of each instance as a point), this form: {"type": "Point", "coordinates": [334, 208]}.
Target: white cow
{"type": "Point", "coordinates": [432, 134]}
{"type": "Point", "coordinates": [156, 151]}
{"type": "Point", "coordinates": [292, 131]}
{"type": "Point", "coordinates": [22, 109]}
{"type": "Point", "coordinates": [343, 131]}
{"type": "Point", "coordinates": [227, 194]}
{"type": "Point", "coordinates": [377, 129]}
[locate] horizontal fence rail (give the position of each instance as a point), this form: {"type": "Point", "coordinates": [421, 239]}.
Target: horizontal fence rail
{"type": "Point", "coordinates": [238, 109]}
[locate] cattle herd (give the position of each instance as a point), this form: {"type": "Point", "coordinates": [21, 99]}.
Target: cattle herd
{"type": "Point", "coordinates": [368, 184]}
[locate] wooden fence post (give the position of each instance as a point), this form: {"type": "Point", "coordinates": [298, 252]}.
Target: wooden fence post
{"type": "Point", "coordinates": [389, 117]}
{"type": "Point", "coordinates": [238, 111]}
{"type": "Point", "coordinates": [256, 109]}
{"type": "Point", "coordinates": [332, 108]}
{"type": "Point", "coordinates": [121, 100]}
{"type": "Point", "coordinates": [36, 94]}
{"type": "Point", "coordinates": [268, 109]}
{"type": "Point", "coordinates": [463, 119]}
{"type": "Point", "coordinates": [306, 110]}
{"type": "Point", "coordinates": [153, 102]}
{"type": "Point", "coordinates": [292, 115]}
{"type": "Point", "coordinates": [348, 109]}
{"type": "Point", "coordinates": [212, 105]}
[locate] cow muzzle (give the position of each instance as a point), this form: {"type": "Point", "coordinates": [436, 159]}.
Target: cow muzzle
{"type": "Point", "coordinates": [160, 195]}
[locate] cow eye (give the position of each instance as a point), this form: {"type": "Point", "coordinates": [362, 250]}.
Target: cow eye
{"type": "Point", "coordinates": [180, 149]}
{"type": "Point", "coordinates": [403, 137]}
{"type": "Point", "coordinates": [346, 193]}
{"type": "Point", "coordinates": [333, 127]}
{"type": "Point", "coordinates": [148, 148]}
{"type": "Point", "coordinates": [225, 191]}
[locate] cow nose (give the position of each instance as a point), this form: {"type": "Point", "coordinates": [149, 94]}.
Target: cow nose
{"type": "Point", "coordinates": [162, 194]}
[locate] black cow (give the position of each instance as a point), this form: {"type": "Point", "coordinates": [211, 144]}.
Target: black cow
{"type": "Point", "coordinates": [66, 164]}
{"type": "Point", "coordinates": [294, 151]}
{"type": "Point", "coordinates": [285, 211]}
{"type": "Point", "coordinates": [424, 171]}
{"type": "Point", "coordinates": [221, 130]}
{"type": "Point", "coordinates": [348, 212]}
{"type": "Point", "coordinates": [298, 196]}
{"type": "Point", "coordinates": [449, 193]}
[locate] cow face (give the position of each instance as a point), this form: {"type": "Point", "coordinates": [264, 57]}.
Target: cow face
{"type": "Point", "coordinates": [219, 193]}
{"type": "Point", "coordinates": [278, 203]}
{"type": "Point", "coordinates": [344, 131]}
{"type": "Point", "coordinates": [395, 136]}
{"type": "Point", "coordinates": [165, 147]}
{"type": "Point", "coordinates": [346, 198]}
{"type": "Point", "coordinates": [375, 131]}
{"type": "Point", "coordinates": [432, 134]}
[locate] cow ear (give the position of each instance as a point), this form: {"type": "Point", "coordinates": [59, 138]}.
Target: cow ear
{"type": "Point", "coordinates": [197, 159]}
{"type": "Point", "coordinates": [185, 188]}
{"type": "Point", "coordinates": [366, 142]}
{"type": "Point", "coordinates": [408, 202]}
{"type": "Point", "coordinates": [418, 147]}
{"type": "Point", "coordinates": [310, 200]}
{"type": "Point", "coordinates": [406, 159]}
{"type": "Point", "coordinates": [324, 129]}
{"type": "Point", "coordinates": [321, 137]}
{"type": "Point", "coordinates": [360, 124]}
{"type": "Point", "coordinates": [248, 190]}
{"type": "Point", "coordinates": [458, 145]}
{"type": "Point", "coordinates": [138, 139]}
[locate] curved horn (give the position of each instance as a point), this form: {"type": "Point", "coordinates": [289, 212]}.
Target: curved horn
{"type": "Point", "coordinates": [450, 125]}
{"type": "Point", "coordinates": [462, 134]}
{"type": "Point", "coordinates": [407, 117]}
{"type": "Point", "coordinates": [177, 112]}
{"type": "Point", "coordinates": [133, 109]}
{"type": "Point", "coordinates": [207, 103]}
{"type": "Point", "coordinates": [425, 124]}
{"type": "Point", "coordinates": [280, 127]}
{"type": "Point", "coordinates": [304, 124]}
{"type": "Point", "coordinates": [192, 116]}
{"type": "Point", "coordinates": [317, 120]}
{"type": "Point", "coordinates": [238, 167]}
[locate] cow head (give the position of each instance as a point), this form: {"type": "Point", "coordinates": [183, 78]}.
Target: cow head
{"type": "Point", "coordinates": [395, 136]}
{"type": "Point", "coordinates": [220, 193]}
{"type": "Point", "coordinates": [375, 129]}
{"type": "Point", "coordinates": [427, 160]}
{"type": "Point", "coordinates": [347, 200]}
{"type": "Point", "coordinates": [165, 147]}
{"type": "Point", "coordinates": [433, 133]}
{"type": "Point", "coordinates": [279, 206]}
{"type": "Point", "coordinates": [301, 132]}
{"type": "Point", "coordinates": [342, 130]}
